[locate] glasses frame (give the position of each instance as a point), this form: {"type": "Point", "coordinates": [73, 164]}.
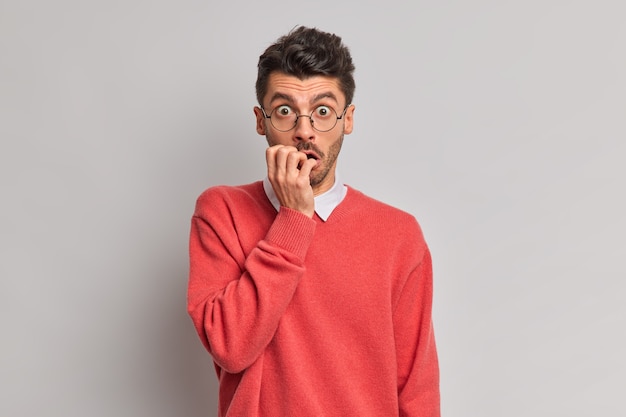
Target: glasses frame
{"type": "Point", "coordinates": [310, 116]}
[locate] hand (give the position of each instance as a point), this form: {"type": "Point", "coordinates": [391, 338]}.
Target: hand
{"type": "Point", "coordinates": [289, 173]}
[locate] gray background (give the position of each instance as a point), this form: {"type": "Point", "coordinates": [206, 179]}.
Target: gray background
{"type": "Point", "coordinates": [498, 124]}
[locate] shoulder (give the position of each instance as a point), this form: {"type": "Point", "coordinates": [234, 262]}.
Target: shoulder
{"type": "Point", "coordinates": [387, 226]}
{"type": "Point", "coordinates": [366, 204]}
{"type": "Point", "coordinates": [224, 197]}
{"type": "Point", "coordinates": [230, 191]}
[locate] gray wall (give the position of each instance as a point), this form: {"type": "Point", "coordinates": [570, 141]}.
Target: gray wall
{"type": "Point", "coordinates": [500, 125]}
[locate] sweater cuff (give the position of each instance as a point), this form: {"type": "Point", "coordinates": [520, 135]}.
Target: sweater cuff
{"type": "Point", "coordinates": [292, 231]}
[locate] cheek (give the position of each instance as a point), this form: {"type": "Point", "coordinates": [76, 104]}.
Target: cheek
{"type": "Point", "coordinates": [276, 139]}
{"type": "Point", "coordinates": [334, 149]}
{"type": "Point", "coordinates": [269, 139]}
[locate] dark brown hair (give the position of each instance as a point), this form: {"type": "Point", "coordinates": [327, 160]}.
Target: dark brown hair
{"type": "Point", "coordinates": [307, 52]}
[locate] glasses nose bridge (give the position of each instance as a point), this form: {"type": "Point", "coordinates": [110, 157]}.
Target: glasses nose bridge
{"type": "Point", "coordinates": [310, 116]}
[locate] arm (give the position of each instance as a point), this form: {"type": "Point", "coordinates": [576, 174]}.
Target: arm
{"type": "Point", "coordinates": [418, 368]}
{"type": "Point", "coordinates": [236, 303]}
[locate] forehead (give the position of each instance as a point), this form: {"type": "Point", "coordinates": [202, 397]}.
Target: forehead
{"type": "Point", "coordinates": [308, 90]}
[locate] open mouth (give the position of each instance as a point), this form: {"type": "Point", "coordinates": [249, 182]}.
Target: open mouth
{"type": "Point", "coordinates": [311, 155]}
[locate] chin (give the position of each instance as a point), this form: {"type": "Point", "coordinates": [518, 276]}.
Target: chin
{"type": "Point", "coordinates": [318, 179]}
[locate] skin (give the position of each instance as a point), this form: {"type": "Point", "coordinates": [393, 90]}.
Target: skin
{"type": "Point", "coordinates": [296, 179]}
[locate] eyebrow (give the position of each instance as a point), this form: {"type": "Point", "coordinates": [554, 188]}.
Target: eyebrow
{"type": "Point", "coordinates": [290, 99]}
{"type": "Point", "coordinates": [324, 95]}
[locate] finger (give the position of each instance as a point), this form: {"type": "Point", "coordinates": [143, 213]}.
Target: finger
{"type": "Point", "coordinates": [276, 159]}
{"type": "Point", "coordinates": [307, 166]}
{"type": "Point", "coordinates": [295, 161]}
{"type": "Point", "coordinates": [282, 160]}
{"type": "Point", "coordinates": [270, 158]}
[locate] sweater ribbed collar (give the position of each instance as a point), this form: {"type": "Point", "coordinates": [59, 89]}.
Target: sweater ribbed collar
{"type": "Point", "coordinates": [324, 203]}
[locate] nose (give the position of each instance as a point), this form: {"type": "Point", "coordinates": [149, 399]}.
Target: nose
{"type": "Point", "coordinates": [304, 129]}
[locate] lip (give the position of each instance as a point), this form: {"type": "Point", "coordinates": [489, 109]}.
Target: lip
{"type": "Point", "coordinates": [311, 154]}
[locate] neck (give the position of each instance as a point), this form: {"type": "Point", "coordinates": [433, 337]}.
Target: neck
{"type": "Point", "coordinates": [325, 185]}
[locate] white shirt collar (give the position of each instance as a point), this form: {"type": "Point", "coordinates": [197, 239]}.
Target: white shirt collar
{"type": "Point", "coordinates": [324, 203]}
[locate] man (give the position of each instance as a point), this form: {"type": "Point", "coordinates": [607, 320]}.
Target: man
{"type": "Point", "coordinates": [312, 298]}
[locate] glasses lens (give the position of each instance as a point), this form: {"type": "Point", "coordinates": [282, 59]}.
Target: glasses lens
{"type": "Point", "coordinates": [324, 118]}
{"type": "Point", "coordinates": [283, 118]}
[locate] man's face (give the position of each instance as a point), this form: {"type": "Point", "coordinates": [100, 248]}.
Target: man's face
{"type": "Point", "coordinates": [305, 97]}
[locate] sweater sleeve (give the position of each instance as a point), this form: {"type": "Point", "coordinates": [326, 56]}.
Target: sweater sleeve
{"type": "Point", "coordinates": [234, 303]}
{"type": "Point", "coordinates": [418, 368]}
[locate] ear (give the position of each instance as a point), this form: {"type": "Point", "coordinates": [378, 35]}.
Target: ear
{"type": "Point", "coordinates": [260, 121]}
{"type": "Point", "coordinates": [348, 123]}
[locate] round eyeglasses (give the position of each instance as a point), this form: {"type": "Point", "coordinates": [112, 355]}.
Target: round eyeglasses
{"type": "Point", "coordinates": [323, 118]}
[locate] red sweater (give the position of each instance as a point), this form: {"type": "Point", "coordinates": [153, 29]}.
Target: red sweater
{"type": "Point", "coordinates": [310, 318]}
